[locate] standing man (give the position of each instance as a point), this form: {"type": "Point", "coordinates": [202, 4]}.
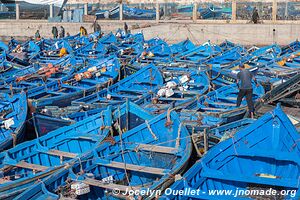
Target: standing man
{"type": "Point", "coordinates": [61, 32]}
{"type": "Point", "coordinates": [54, 32]}
{"type": "Point", "coordinates": [245, 88]}
{"type": "Point", "coordinates": [96, 26]}
{"type": "Point", "coordinates": [125, 28]}
{"type": "Point", "coordinates": [255, 16]}
{"type": "Point", "coordinates": [37, 35]}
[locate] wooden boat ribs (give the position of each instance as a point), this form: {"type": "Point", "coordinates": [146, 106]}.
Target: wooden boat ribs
{"type": "Point", "coordinates": [156, 148]}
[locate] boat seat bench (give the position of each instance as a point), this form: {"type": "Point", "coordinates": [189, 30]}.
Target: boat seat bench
{"type": "Point", "coordinates": [27, 165]}
{"type": "Point", "coordinates": [61, 153]}
{"type": "Point", "coordinates": [213, 109]}
{"type": "Point", "coordinates": [137, 168]}
{"type": "Point", "coordinates": [156, 148]}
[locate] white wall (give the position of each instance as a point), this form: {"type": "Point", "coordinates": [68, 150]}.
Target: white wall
{"type": "Point", "coordinates": [246, 34]}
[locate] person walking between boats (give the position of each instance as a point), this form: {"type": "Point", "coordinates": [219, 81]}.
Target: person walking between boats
{"type": "Point", "coordinates": [83, 31]}
{"type": "Point", "coordinates": [245, 77]}
{"type": "Point", "coordinates": [62, 32]}
{"type": "Point", "coordinates": [54, 32]}
{"type": "Point", "coordinates": [255, 16]}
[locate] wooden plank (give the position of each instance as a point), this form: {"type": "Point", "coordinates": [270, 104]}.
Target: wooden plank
{"type": "Point", "coordinates": [109, 186]}
{"type": "Point", "coordinates": [157, 149]}
{"type": "Point", "coordinates": [137, 168]}
{"type": "Point", "coordinates": [215, 109]}
{"type": "Point", "coordinates": [61, 153]}
{"type": "Point", "coordinates": [34, 167]}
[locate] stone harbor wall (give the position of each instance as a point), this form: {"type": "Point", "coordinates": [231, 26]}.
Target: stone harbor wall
{"type": "Point", "coordinates": [245, 34]}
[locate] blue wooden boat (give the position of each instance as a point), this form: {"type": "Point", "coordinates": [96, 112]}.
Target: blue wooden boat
{"type": "Point", "coordinates": [209, 11]}
{"type": "Point", "coordinates": [62, 92]}
{"type": "Point", "coordinates": [265, 54]}
{"type": "Point", "coordinates": [138, 14]}
{"type": "Point", "coordinates": [198, 54]}
{"type": "Point", "coordinates": [221, 132]}
{"type": "Point", "coordinates": [13, 44]}
{"type": "Point", "coordinates": [3, 49]}
{"type": "Point", "coordinates": [13, 113]}
{"type": "Point", "coordinates": [129, 115]}
{"type": "Point", "coordinates": [131, 39]}
{"type": "Point", "coordinates": [154, 42]}
{"type": "Point", "coordinates": [222, 99]}
{"type": "Point", "coordinates": [213, 12]}
{"type": "Point", "coordinates": [44, 124]}
{"type": "Point", "coordinates": [57, 45]}
{"type": "Point", "coordinates": [263, 156]}
{"type": "Point", "coordinates": [34, 160]}
{"type": "Point", "coordinates": [182, 87]}
{"type": "Point", "coordinates": [33, 76]}
{"type": "Point", "coordinates": [228, 56]}
{"type": "Point", "coordinates": [226, 45]}
{"type": "Point", "coordinates": [131, 55]}
{"type": "Point", "coordinates": [182, 47]}
{"type": "Point", "coordinates": [133, 87]}
{"type": "Point", "coordinates": [227, 130]}
{"type": "Point", "coordinates": [204, 138]}
{"type": "Point", "coordinates": [218, 106]}
{"type": "Point", "coordinates": [128, 13]}
{"type": "Point", "coordinates": [108, 39]}
{"type": "Point", "coordinates": [252, 58]}
{"type": "Point", "coordinates": [16, 70]}
{"type": "Point", "coordinates": [185, 8]}
{"type": "Point", "coordinates": [222, 77]}
{"type": "Point", "coordinates": [10, 69]}
{"type": "Point", "coordinates": [156, 53]}
{"type": "Point", "coordinates": [292, 47]}
{"type": "Point", "coordinates": [255, 59]}
{"type": "Point", "coordinates": [136, 159]}
{"type": "Point", "coordinates": [96, 48]}
{"type": "Point", "coordinates": [113, 13]}
{"type": "Point", "coordinates": [285, 66]}
{"type": "Point", "coordinates": [21, 53]}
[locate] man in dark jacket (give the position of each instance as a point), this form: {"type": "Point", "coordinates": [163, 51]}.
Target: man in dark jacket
{"type": "Point", "coordinates": [54, 32]}
{"type": "Point", "coordinates": [37, 35]}
{"type": "Point", "coordinates": [125, 27]}
{"type": "Point", "coordinates": [255, 16]}
{"type": "Point", "coordinates": [245, 88]}
{"type": "Point", "coordinates": [62, 32]}
{"type": "Point", "coordinates": [97, 27]}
